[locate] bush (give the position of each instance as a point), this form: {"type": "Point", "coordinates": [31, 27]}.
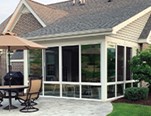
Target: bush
{"type": "Point", "coordinates": [136, 93]}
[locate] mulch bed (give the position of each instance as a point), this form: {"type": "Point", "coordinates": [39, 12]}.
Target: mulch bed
{"type": "Point", "coordinates": [141, 102]}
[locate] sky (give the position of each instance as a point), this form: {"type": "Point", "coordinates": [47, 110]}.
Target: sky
{"type": "Point", "coordinates": [8, 6]}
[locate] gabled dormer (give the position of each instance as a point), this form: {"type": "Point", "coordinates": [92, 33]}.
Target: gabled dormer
{"type": "Point", "coordinates": [30, 16]}
{"type": "Point", "coordinates": [23, 19]}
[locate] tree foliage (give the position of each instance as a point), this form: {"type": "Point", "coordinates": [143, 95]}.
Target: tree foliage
{"type": "Point", "coordinates": [141, 66]}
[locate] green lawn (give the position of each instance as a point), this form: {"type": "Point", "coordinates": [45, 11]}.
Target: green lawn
{"type": "Point", "coordinates": [124, 109]}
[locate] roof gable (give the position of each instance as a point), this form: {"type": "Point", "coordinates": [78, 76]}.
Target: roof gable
{"type": "Point", "coordinates": [43, 14]}
{"type": "Point", "coordinates": [47, 14]}
{"type": "Point", "coordinates": [26, 23]}
{"type": "Point", "coordinates": [3, 25]}
{"type": "Point", "coordinates": [17, 13]}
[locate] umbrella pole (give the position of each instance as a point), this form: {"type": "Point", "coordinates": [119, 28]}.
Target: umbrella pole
{"type": "Point", "coordinates": [9, 68]}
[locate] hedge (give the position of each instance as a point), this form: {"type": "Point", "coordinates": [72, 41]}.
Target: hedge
{"type": "Point", "coordinates": [136, 93]}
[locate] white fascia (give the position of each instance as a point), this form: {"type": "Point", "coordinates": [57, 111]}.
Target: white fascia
{"type": "Point", "coordinates": [70, 35]}
{"type": "Point", "coordinates": [142, 41]}
{"type": "Point", "coordinates": [149, 38]}
{"type": "Point", "coordinates": [12, 19]}
{"type": "Point", "coordinates": [130, 20]}
{"type": "Point", "coordinates": [146, 40]}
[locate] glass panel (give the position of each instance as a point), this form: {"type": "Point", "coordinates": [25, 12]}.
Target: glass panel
{"type": "Point", "coordinates": [52, 89]}
{"type": "Point", "coordinates": [120, 89]}
{"type": "Point", "coordinates": [70, 63]}
{"type": "Point", "coordinates": [111, 63]}
{"type": "Point", "coordinates": [120, 63]}
{"type": "Point", "coordinates": [128, 58]}
{"type": "Point", "coordinates": [35, 63]}
{"type": "Point", "coordinates": [127, 85]}
{"type": "Point", "coordinates": [70, 90]}
{"type": "Point", "coordinates": [90, 57]}
{"type": "Point", "coordinates": [93, 92]}
{"type": "Point", "coordinates": [111, 91]}
{"type": "Point", "coordinates": [52, 64]}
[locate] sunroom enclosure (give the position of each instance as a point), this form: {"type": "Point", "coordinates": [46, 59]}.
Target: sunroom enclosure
{"type": "Point", "coordinates": [71, 83]}
{"type": "Point", "coordinates": [96, 70]}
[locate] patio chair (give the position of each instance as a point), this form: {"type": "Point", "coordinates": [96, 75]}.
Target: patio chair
{"type": "Point", "coordinates": [2, 95]}
{"type": "Point", "coordinates": [31, 95]}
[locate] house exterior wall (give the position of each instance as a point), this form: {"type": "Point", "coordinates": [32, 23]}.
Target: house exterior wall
{"type": "Point", "coordinates": [132, 31]}
{"type": "Point", "coordinates": [145, 46]}
{"type": "Point", "coordinates": [26, 23]}
{"type": "Point", "coordinates": [17, 66]}
{"type": "Point", "coordinates": [3, 68]}
{"type": "Point", "coordinates": [49, 42]}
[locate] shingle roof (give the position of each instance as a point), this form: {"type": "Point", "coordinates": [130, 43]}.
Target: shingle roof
{"type": "Point", "coordinates": [46, 14]}
{"type": "Point", "coordinates": [3, 25]}
{"type": "Point", "coordinates": [95, 14]}
{"type": "Point", "coordinates": [17, 55]}
{"type": "Point", "coordinates": [146, 29]}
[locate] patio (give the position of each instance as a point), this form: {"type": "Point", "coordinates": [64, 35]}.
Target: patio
{"type": "Point", "coordinates": [61, 107]}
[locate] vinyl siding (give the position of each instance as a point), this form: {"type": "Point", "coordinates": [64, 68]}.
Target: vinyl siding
{"type": "Point", "coordinates": [133, 30]}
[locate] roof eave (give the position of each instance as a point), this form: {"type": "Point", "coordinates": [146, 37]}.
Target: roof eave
{"type": "Point", "coordinates": [142, 40]}
{"type": "Point", "coordinates": [69, 35]}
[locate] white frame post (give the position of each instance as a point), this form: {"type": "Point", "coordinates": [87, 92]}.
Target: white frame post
{"type": "Point", "coordinates": [103, 71]}
{"type": "Point", "coordinates": [26, 67]}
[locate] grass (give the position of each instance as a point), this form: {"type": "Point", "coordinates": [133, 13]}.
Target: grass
{"type": "Point", "coordinates": [125, 109]}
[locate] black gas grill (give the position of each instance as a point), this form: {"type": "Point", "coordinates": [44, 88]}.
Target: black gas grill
{"type": "Point", "coordinates": [15, 78]}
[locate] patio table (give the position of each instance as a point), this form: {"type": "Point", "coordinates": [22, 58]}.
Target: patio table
{"type": "Point", "coordinates": [9, 90]}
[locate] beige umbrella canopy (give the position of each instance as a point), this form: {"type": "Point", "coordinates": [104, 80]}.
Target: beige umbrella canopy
{"type": "Point", "coordinates": [11, 41]}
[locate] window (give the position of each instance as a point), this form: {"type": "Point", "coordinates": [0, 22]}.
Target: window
{"type": "Point", "coordinates": [111, 63]}
{"type": "Point", "coordinates": [52, 64]}
{"type": "Point", "coordinates": [128, 58]}
{"type": "Point", "coordinates": [52, 89]}
{"type": "Point", "coordinates": [120, 89]}
{"type": "Point", "coordinates": [120, 63]}
{"type": "Point", "coordinates": [118, 69]}
{"type": "Point", "coordinates": [111, 91]}
{"type": "Point", "coordinates": [91, 92]}
{"type": "Point", "coordinates": [70, 63]}
{"type": "Point", "coordinates": [90, 58]}
{"type": "Point", "coordinates": [70, 90]}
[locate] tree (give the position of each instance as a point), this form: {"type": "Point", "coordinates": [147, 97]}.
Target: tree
{"type": "Point", "coordinates": [141, 66]}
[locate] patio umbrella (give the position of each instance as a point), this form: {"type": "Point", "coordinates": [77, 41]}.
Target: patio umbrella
{"type": "Point", "coordinates": [11, 41]}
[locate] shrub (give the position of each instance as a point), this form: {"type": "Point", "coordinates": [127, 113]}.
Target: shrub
{"type": "Point", "coordinates": [136, 93]}
{"type": "Point", "coordinates": [140, 66]}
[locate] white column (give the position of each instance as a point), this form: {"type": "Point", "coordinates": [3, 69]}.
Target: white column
{"type": "Point", "coordinates": [60, 70]}
{"type": "Point", "coordinates": [26, 67]}
{"type": "Point", "coordinates": [104, 70]}
{"type": "Point", "coordinates": [43, 69]}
